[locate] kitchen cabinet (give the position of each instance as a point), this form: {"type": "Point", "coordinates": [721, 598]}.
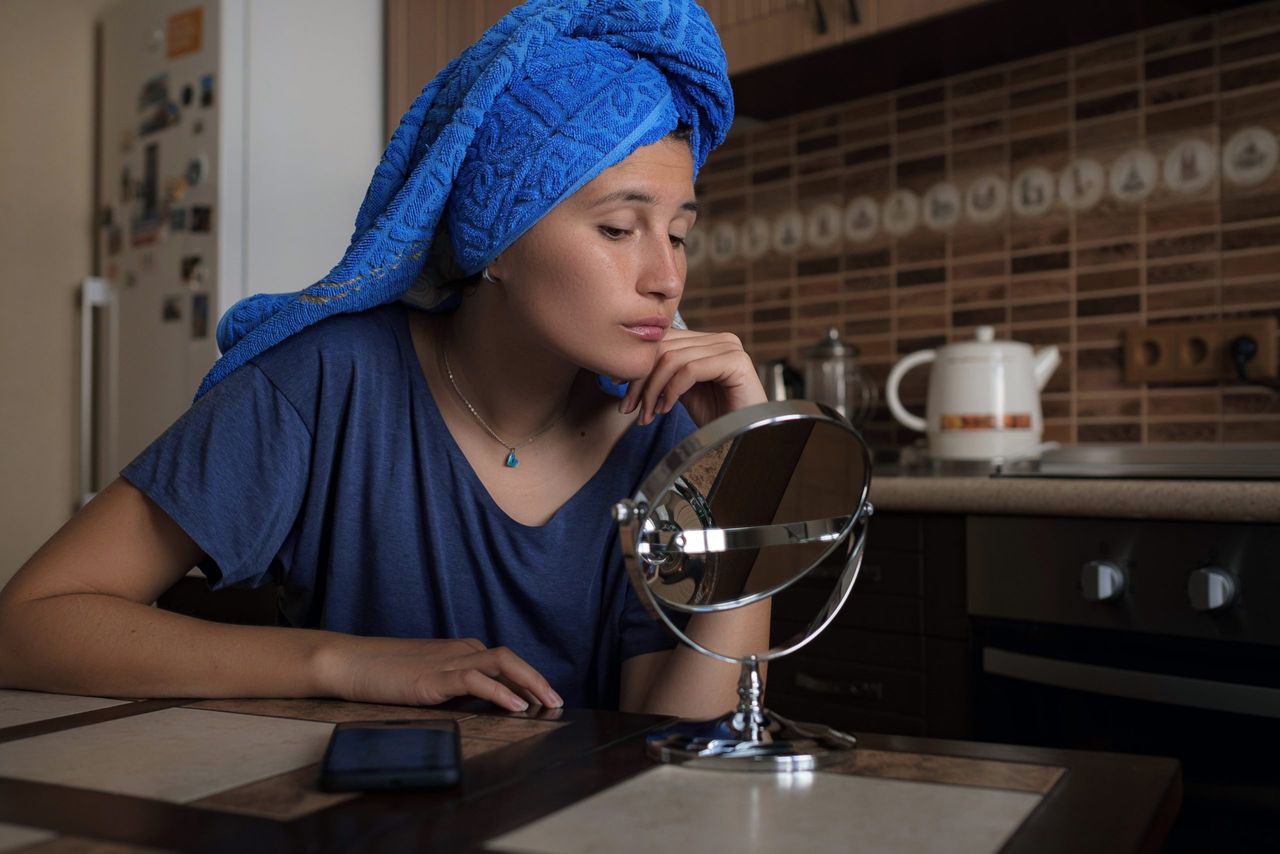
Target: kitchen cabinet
{"type": "Point", "coordinates": [896, 657]}
{"type": "Point", "coordinates": [897, 13]}
{"type": "Point", "coordinates": [423, 35]}
{"type": "Point", "coordinates": [761, 32]}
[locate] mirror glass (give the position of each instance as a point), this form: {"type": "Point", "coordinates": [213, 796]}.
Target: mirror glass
{"type": "Point", "coordinates": [746, 516]}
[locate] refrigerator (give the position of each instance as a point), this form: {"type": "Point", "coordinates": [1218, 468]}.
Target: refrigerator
{"type": "Point", "coordinates": [235, 139]}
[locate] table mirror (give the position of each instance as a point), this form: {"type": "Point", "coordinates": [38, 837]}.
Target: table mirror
{"type": "Point", "coordinates": [740, 510]}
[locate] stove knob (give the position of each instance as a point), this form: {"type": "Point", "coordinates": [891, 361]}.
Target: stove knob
{"type": "Point", "coordinates": [1102, 581]}
{"type": "Point", "coordinates": [1211, 589]}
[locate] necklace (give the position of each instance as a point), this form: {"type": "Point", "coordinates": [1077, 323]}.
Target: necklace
{"type": "Point", "coordinates": [511, 461]}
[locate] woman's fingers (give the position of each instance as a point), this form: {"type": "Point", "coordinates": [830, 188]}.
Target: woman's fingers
{"type": "Point", "coordinates": [692, 362]}
{"type": "Point", "coordinates": [446, 684]}
{"type": "Point", "coordinates": [503, 664]}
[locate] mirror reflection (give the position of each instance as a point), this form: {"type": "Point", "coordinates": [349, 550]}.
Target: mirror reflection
{"type": "Point", "coordinates": [752, 514]}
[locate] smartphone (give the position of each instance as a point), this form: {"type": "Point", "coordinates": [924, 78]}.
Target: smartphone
{"type": "Point", "coordinates": [379, 755]}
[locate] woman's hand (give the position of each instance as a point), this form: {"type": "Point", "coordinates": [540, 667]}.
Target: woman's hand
{"type": "Point", "coordinates": [414, 672]}
{"type": "Point", "coordinates": [708, 372]}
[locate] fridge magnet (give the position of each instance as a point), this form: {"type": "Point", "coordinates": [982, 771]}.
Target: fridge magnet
{"type": "Point", "coordinates": [197, 127]}
{"type": "Point", "coordinates": [1133, 175]}
{"type": "Point", "coordinates": [158, 112]}
{"type": "Point", "coordinates": [824, 224]}
{"type": "Point", "coordinates": [171, 309]}
{"type": "Point", "coordinates": [178, 219]}
{"type": "Point", "coordinates": [106, 216]}
{"type": "Point", "coordinates": [197, 169]}
{"type": "Point", "coordinates": [755, 237]}
{"type": "Point", "coordinates": [115, 240]}
{"type": "Point", "coordinates": [183, 32]}
{"type": "Point", "coordinates": [188, 92]}
{"type": "Point", "coordinates": [788, 231]}
{"type": "Point", "coordinates": [143, 231]}
{"type": "Point", "coordinates": [986, 199]}
{"type": "Point", "coordinates": [1250, 156]}
{"type": "Point", "coordinates": [1190, 166]}
{"type": "Point", "coordinates": [942, 206]}
{"type": "Point", "coordinates": [901, 213]}
{"type": "Point", "coordinates": [126, 185]}
{"type": "Point", "coordinates": [130, 278]}
{"type": "Point", "coordinates": [206, 90]}
{"type": "Point", "coordinates": [1080, 186]}
{"type": "Point", "coordinates": [861, 219]}
{"type": "Point", "coordinates": [199, 316]}
{"type": "Point", "coordinates": [201, 219]}
{"type": "Point", "coordinates": [189, 265]}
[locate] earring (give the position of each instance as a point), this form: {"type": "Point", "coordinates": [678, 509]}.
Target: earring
{"type": "Point", "coordinates": [484, 274]}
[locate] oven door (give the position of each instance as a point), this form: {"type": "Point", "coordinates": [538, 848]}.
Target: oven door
{"type": "Point", "coordinates": [1214, 706]}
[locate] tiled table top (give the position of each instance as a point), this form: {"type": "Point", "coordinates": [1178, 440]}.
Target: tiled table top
{"type": "Point", "coordinates": [105, 776]}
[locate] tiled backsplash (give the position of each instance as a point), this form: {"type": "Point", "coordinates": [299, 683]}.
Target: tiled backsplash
{"type": "Point", "coordinates": [1060, 199]}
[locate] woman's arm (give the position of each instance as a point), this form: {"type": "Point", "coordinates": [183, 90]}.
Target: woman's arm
{"type": "Point", "coordinates": [688, 684]}
{"type": "Point", "coordinates": [77, 619]}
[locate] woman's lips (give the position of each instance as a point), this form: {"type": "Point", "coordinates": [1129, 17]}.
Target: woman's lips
{"type": "Point", "coordinates": [649, 329]}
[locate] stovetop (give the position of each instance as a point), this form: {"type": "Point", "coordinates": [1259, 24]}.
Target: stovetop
{"type": "Point", "coordinates": [1245, 461]}
{"type": "Point", "coordinates": [1188, 461]}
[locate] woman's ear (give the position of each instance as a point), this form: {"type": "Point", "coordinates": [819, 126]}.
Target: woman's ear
{"type": "Point", "coordinates": [493, 272]}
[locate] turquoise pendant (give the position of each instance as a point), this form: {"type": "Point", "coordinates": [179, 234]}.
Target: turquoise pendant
{"type": "Point", "coordinates": [512, 462]}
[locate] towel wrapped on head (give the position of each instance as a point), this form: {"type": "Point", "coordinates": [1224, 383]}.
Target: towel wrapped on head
{"type": "Point", "coordinates": [552, 95]}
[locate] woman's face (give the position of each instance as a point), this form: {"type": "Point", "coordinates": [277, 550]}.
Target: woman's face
{"type": "Point", "coordinates": [597, 280]}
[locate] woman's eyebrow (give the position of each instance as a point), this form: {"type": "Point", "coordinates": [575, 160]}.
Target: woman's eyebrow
{"type": "Point", "coordinates": [625, 195]}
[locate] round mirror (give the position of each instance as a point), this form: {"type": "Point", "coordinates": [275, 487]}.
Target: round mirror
{"type": "Point", "coordinates": [738, 511]}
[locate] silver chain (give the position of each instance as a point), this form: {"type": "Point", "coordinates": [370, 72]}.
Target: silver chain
{"type": "Point", "coordinates": [444, 353]}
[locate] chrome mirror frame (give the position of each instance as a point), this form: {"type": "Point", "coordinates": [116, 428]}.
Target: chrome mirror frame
{"type": "Point", "coordinates": [750, 737]}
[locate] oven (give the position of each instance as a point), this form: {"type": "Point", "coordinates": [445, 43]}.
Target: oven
{"type": "Point", "coordinates": [1139, 636]}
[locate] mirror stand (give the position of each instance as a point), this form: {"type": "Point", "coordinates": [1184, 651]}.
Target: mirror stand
{"type": "Point", "coordinates": [750, 738]}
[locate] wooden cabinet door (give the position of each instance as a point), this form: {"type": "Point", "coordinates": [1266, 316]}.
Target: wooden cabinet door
{"type": "Point", "coordinates": [423, 35]}
{"type": "Point", "coordinates": [897, 13]}
{"type": "Point", "coordinates": [761, 32]}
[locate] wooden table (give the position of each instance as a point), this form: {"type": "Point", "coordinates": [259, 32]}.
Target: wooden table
{"type": "Point", "coordinates": [518, 768]}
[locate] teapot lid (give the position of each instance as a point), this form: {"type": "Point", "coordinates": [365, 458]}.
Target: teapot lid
{"type": "Point", "coordinates": [985, 334]}
{"type": "Point", "coordinates": [831, 346]}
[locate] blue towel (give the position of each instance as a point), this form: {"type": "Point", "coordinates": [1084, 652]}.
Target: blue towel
{"type": "Point", "coordinates": [552, 95]}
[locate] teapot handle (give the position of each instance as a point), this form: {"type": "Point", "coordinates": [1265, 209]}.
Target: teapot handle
{"type": "Point", "coordinates": [913, 422]}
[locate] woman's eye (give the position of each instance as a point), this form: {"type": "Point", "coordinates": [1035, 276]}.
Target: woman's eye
{"type": "Point", "coordinates": [677, 241]}
{"type": "Point", "coordinates": [614, 233]}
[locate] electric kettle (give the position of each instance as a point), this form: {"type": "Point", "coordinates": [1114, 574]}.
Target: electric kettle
{"type": "Point", "coordinates": [984, 397]}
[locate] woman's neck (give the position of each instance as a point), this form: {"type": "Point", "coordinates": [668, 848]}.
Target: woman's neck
{"type": "Point", "coordinates": [517, 387]}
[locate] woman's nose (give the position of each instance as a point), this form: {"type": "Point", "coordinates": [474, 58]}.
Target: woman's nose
{"type": "Point", "coordinates": [663, 273]}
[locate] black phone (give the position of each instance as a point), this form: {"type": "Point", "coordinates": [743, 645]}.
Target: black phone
{"type": "Point", "coordinates": [377, 755]}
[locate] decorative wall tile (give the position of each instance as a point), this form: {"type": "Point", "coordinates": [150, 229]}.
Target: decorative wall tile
{"type": "Point", "coordinates": [1061, 199]}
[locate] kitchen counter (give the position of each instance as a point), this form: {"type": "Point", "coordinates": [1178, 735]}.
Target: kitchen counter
{"type": "Point", "coordinates": [1193, 500]}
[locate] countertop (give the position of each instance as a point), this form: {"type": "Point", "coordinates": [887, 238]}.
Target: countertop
{"type": "Point", "coordinates": [1192, 500]}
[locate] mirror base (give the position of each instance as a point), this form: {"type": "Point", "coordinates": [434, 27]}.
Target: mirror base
{"type": "Point", "coordinates": [784, 746]}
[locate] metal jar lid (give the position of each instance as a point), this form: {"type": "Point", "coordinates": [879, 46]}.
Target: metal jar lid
{"type": "Point", "coordinates": [831, 346]}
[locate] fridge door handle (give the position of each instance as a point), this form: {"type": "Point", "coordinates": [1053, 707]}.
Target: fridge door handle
{"type": "Point", "coordinates": [99, 379]}
{"type": "Point", "coordinates": [1134, 684]}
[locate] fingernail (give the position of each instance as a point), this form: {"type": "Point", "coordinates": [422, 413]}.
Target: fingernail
{"type": "Point", "coordinates": [520, 706]}
{"type": "Point", "coordinates": [556, 699]}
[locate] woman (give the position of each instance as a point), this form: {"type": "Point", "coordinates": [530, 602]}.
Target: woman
{"type": "Point", "coordinates": [431, 489]}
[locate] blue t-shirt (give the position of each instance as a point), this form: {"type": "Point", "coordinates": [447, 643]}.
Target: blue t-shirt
{"type": "Point", "coordinates": [323, 465]}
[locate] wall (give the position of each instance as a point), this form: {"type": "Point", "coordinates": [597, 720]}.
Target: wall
{"type": "Point", "coordinates": [46, 202]}
{"type": "Point", "coordinates": [1072, 278]}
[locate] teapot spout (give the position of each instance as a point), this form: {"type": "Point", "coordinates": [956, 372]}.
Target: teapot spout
{"type": "Point", "coordinates": [1046, 362]}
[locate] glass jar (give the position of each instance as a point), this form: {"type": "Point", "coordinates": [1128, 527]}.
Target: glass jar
{"type": "Point", "coordinates": [832, 376]}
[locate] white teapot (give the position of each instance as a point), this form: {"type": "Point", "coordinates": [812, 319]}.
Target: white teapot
{"type": "Point", "coordinates": [984, 397]}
